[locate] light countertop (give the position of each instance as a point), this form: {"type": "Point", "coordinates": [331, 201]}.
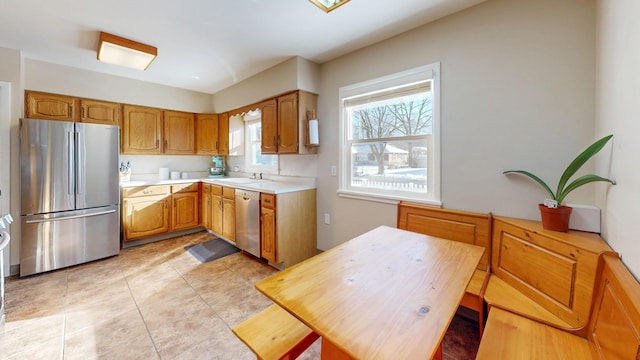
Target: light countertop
{"type": "Point", "coordinates": [278, 186]}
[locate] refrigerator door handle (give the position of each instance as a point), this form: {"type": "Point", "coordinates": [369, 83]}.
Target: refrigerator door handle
{"type": "Point", "coordinates": [70, 164]}
{"type": "Point", "coordinates": [69, 217]}
{"type": "Point", "coordinates": [77, 163]}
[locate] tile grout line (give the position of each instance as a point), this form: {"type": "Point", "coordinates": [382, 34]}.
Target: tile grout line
{"type": "Point", "coordinates": [126, 279]}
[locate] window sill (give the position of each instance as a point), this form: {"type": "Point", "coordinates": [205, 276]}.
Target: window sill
{"type": "Point", "coordinates": [386, 199]}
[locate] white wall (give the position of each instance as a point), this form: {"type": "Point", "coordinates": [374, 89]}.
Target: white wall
{"type": "Point", "coordinates": [518, 91]}
{"type": "Point", "coordinates": [58, 79]}
{"type": "Point", "coordinates": [618, 95]}
{"type": "Point", "coordinates": [10, 72]}
{"type": "Point", "coordinates": [293, 74]}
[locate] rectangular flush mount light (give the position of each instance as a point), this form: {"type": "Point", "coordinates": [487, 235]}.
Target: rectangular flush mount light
{"type": "Point", "coordinates": [117, 50]}
{"type": "Point", "coordinates": [328, 5]}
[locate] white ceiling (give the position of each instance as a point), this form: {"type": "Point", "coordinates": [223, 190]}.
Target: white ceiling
{"type": "Point", "coordinates": [208, 45]}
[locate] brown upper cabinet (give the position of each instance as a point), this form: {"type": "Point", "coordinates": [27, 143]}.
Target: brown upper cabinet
{"type": "Point", "coordinates": [212, 134]}
{"type": "Point", "coordinates": [150, 131]}
{"type": "Point", "coordinates": [284, 123]}
{"type": "Point", "coordinates": [39, 105]}
{"type": "Point", "coordinates": [179, 133]}
{"type": "Point", "coordinates": [207, 141]}
{"type": "Point", "coordinates": [49, 106]}
{"type": "Point", "coordinates": [223, 133]}
{"type": "Point", "coordinates": [100, 112]}
{"type": "Point", "coordinates": [269, 141]}
{"type": "Point", "coordinates": [141, 130]}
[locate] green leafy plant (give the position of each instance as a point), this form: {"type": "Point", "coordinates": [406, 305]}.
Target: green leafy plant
{"type": "Point", "coordinates": [564, 189]}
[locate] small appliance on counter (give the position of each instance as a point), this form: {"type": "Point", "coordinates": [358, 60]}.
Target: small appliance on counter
{"type": "Point", "coordinates": [217, 166]}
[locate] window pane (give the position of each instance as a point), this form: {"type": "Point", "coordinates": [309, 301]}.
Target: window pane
{"type": "Point", "coordinates": [396, 166]}
{"type": "Point", "coordinates": [407, 115]}
{"type": "Point", "coordinates": [255, 160]}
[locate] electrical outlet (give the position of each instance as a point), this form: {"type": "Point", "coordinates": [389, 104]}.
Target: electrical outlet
{"type": "Point", "coordinates": [327, 219]}
{"type": "Point", "coordinates": [334, 171]}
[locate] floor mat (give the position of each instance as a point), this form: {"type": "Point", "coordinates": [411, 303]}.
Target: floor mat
{"type": "Point", "coordinates": [211, 250]}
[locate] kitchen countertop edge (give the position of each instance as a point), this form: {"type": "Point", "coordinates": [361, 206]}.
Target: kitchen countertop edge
{"type": "Point", "coordinates": [271, 187]}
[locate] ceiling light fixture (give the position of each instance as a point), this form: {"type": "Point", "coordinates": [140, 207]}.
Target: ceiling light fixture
{"type": "Point", "coordinates": [117, 50]}
{"type": "Point", "coordinates": [328, 5]}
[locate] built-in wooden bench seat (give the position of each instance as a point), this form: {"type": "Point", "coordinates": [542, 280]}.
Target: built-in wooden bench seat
{"type": "Point", "coordinates": [468, 227]}
{"type": "Point", "coordinates": [546, 275]}
{"type": "Point", "coordinates": [613, 330]}
{"type": "Point", "coordinates": [273, 334]}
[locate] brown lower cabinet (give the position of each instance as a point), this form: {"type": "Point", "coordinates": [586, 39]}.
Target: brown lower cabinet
{"type": "Point", "coordinates": [157, 209]}
{"type": "Point", "coordinates": [287, 220]}
{"type": "Point", "coordinates": [288, 227]}
{"type": "Point", "coordinates": [145, 211]}
{"type": "Point", "coordinates": [219, 210]}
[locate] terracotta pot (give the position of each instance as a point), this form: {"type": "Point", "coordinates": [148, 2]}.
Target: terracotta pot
{"type": "Point", "coordinates": [556, 219]}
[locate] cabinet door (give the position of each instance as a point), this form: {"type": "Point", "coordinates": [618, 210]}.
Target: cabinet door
{"type": "Point", "coordinates": [179, 133]}
{"type": "Point", "coordinates": [269, 127]}
{"type": "Point", "coordinates": [229, 219]}
{"type": "Point", "coordinates": [141, 130]}
{"type": "Point", "coordinates": [49, 106]}
{"type": "Point", "coordinates": [288, 124]}
{"type": "Point", "coordinates": [99, 112]}
{"type": "Point", "coordinates": [223, 134]}
{"type": "Point", "coordinates": [184, 214]}
{"type": "Point", "coordinates": [216, 214]}
{"type": "Point", "coordinates": [207, 134]}
{"type": "Point", "coordinates": [268, 230]}
{"type": "Point", "coordinates": [145, 216]}
{"type": "Point", "coordinates": [205, 206]}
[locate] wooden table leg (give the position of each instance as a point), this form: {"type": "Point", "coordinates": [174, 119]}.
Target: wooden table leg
{"type": "Point", "coordinates": [438, 354]}
{"type": "Point", "coordinates": [329, 351]}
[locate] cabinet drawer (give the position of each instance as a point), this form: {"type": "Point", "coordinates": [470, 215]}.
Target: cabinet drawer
{"type": "Point", "coordinates": [216, 190]}
{"type": "Point", "coordinates": [228, 193]}
{"type": "Point", "coordinates": [138, 191]}
{"type": "Point", "coordinates": [268, 201]}
{"type": "Point", "coordinates": [187, 187]}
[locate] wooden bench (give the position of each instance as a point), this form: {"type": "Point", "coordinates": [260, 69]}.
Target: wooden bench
{"type": "Point", "coordinates": [613, 330]}
{"type": "Point", "coordinates": [273, 333]}
{"type": "Point", "coordinates": [462, 226]}
{"type": "Point", "coordinates": [546, 275]}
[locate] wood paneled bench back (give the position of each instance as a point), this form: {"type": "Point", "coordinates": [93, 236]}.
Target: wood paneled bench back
{"type": "Point", "coordinates": [547, 275]}
{"type": "Point", "coordinates": [468, 227]}
{"type": "Point", "coordinates": [613, 330]}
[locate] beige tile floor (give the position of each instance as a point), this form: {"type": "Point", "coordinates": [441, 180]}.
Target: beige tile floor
{"type": "Point", "coordinates": [151, 301]}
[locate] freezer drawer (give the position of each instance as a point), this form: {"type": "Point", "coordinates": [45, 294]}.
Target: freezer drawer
{"type": "Point", "coordinates": [55, 241]}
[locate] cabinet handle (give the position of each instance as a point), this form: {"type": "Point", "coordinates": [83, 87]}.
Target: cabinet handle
{"type": "Point", "coordinates": [275, 141]}
{"type": "Point", "coordinates": [166, 144]}
{"type": "Point", "coordinates": [158, 144]}
{"type": "Point", "coordinates": [82, 113]}
{"type": "Point", "coordinates": [216, 146]}
{"type": "Point", "coordinates": [147, 192]}
{"type": "Point", "coordinates": [166, 203]}
{"type": "Point", "coordinates": [70, 111]}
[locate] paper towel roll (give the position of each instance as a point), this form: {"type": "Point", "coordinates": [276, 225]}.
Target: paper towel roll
{"type": "Point", "coordinates": [314, 138]}
{"type": "Point", "coordinates": [163, 173]}
{"type": "Point", "coordinates": [175, 175]}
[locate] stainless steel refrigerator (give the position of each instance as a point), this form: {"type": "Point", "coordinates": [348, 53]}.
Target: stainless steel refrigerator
{"type": "Point", "coordinates": [70, 194]}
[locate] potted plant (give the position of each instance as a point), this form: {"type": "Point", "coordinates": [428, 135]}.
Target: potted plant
{"type": "Point", "coordinates": [555, 216]}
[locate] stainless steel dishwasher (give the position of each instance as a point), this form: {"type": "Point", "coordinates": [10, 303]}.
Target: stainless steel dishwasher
{"type": "Point", "coordinates": [248, 221]}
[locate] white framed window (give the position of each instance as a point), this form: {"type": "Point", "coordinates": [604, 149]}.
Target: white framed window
{"type": "Point", "coordinates": [255, 161]}
{"type": "Point", "coordinates": [389, 148]}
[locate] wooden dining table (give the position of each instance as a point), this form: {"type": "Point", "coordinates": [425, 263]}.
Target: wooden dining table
{"type": "Point", "coordinates": [386, 294]}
